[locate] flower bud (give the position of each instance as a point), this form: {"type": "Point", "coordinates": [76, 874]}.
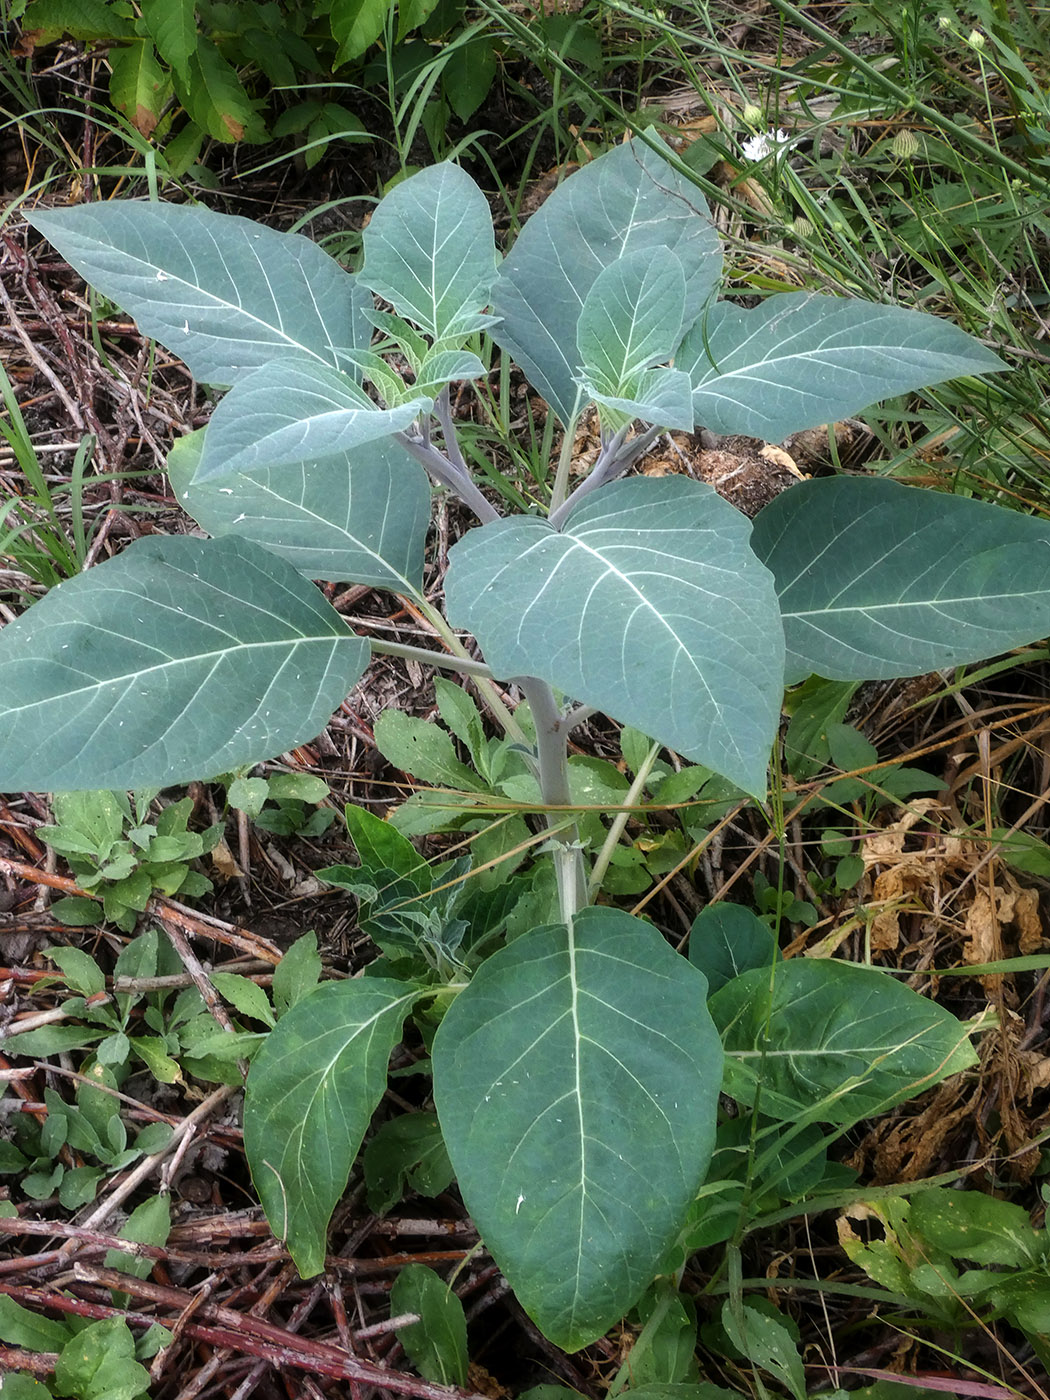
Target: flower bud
{"type": "Point", "coordinates": [904, 144]}
{"type": "Point", "coordinates": [976, 40]}
{"type": "Point", "coordinates": [753, 115]}
{"type": "Point", "coordinates": [801, 228]}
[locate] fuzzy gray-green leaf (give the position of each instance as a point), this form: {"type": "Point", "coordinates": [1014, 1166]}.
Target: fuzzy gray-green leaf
{"type": "Point", "coordinates": [649, 605]}
{"type": "Point", "coordinates": [179, 659]}
{"type": "Point", "coordinates": [223, 293]}
{"type": "Point", "coordinates": [878, 580]}
{"type": "Point", "coordinates": [798, 360]}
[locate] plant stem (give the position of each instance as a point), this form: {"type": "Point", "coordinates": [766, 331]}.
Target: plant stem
{"type": "Point", "coordinates": [466, 664]}
{"type": "Point", "coordinates": [616, 830]}
{"type": "Point", "coordinates": [561, 477]}
{"type": "Point", "coordinates": [613, 461]}
{"type": "Point", "coordinates": [448, 473]}
{"type": "Point", "coordinates": [488, 692]}
{"type": "Point", "coordinates": [553, 771]}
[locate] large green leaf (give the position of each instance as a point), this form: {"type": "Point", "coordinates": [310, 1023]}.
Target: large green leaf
{"type": "Point", "coordinates": [798, 360]}
{"type": "Point", "coordinates": [180, 659]}
{"type": "Point", "coordinates": [877, 579]}
{"type": "Point", "coordinates": [831, 1039]}
{"type": "Point", "coordinates": [224, 294]}
{"type": "Point", "coordinates": [430, 251]}
{"type": "Point", "coordinates": [358, 518]}
{"type": "Point", "coordinates": [626, 201]}
{"type": "Point", "coordinates": [649, 605]}
{"type": "Point", "coordinates": [290, 412]}
{"type": "Point", "coordinates": [576, 1080]}
{"type": "Point", "coordinates": [311, 1094]}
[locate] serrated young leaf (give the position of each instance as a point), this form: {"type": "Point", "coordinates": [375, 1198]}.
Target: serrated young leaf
{"type": "Point", "coordinates": [648, 605]}
{"type": "Point", "coordinates": [878, 580]}
{"type": "Point", "coordinates": [358, 518]}
{"type": "Point", "coordinates": [213, 94]}
{"type": "Point", "coordinates": [138, 85]}
{"type": "Point", "coordinates": [98, 1363]}
{"type": "Point", "coordinates": [223, 293]}
{"type": "Point", "coordinates": [79, 970]}
{"type": "Point", "coordinates": [588, 1049]}
{"type": "Point", "coordinates": [289, 414]}
{"type": "Point", "coordinates": [626, 201]}
{"type": "Point", "coordinates": [462, 717]}
{"type": "Point", "coordinates": [165, 664]}
{"type": "Point", "coordinates": [312, 1090]}
{"type": "Point", "coordinates": [245, 996]}
{"type": "Point", "coordinates": [430, 251]}
{"type": "Point", "coordinates": [631, 318]}
{"type": "Point", "coordinates": [173, 27]}
{"type": "Point", "coordinates": [800, 359]}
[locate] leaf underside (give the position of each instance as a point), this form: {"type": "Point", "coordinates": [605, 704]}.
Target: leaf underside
{"type": "Point", "coordinates": [576, 1080]}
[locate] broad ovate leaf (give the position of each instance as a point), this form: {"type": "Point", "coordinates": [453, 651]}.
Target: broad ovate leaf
{"type": "Point", "coordinates": [576, 1080]}
{"type": "Point", "coordinates": [832, 1040]}
{"type": "Point", "coordinates": [627, 201]}
{"type": "Point", "coordinates": [288, 413]}
{"type": "Point", "coordinates": [313, 1088]}
{"type": "Point", "coordinates": [649, 605]}
{"type": "Point", "coordinates": [800, 359]}
{"type": "Point", "coordinates": [358, 517]}
{"type": "Point", "coordinates": [430, 251]}
{"type": "Point", "coordinates": [180, 659]}
{"type": "Point", "coordinates": [878, 580]}
{"type": "Point", "coordinates": [223, 293]}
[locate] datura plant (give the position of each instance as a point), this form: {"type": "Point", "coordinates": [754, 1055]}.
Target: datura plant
{"type": "Point", "coordinates": [577, 1060]}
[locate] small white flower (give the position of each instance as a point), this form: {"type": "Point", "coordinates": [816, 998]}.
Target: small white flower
{"type": "Point", "coordinates": [767, 143]}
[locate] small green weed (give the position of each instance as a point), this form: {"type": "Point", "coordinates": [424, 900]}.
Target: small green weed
{"type": "Point", "coordinates": [122, 857]}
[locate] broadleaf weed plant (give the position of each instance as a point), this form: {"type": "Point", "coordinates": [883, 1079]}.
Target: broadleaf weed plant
{"type": "Point", "coordinates": [577, 1058]}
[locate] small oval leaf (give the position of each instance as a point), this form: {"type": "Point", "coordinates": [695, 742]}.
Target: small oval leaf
{"type": "Point", "coordinates": [311, 1093]}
